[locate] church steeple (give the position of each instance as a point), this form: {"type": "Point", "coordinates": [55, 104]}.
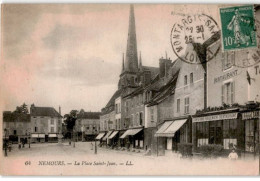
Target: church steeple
{"type": "Point", "coordinates": [140, 61]}
{"type": "Point", "coordinates": [123, 63]}
{"type": "Point", "coordinates": [131, 62]}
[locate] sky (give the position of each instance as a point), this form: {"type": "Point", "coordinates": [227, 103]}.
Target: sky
{"type": "Point", "coordinates": [71, 55]}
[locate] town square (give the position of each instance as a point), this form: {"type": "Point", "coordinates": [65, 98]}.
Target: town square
{"type": "Point", "coordinates": [194, 111]}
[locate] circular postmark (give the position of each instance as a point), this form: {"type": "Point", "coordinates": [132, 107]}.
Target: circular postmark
{"type": "Point", "coordinates": [249, 57]}
{"type": "Point", "coordinates": [192, 35]}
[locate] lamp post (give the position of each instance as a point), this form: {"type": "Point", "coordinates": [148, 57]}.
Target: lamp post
{"type": "Point", "coordinates": [74, 137]}
{"type": "Point", "coordinates": [95, 146]}
{"type": "Point", "coordinates": [5, 142]}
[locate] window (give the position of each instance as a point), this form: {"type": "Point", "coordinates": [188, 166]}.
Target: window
{"type": "Point", "coordinates": [14, 132]}
{"type": "Point", "coordinates": [141, 118]}
{"type": "Point", "coordinates": [202, 133]}
{"type": "Point", "coordinates": [52, 121]}
{"type": "Point", "coordinates": [35, 129]}
{"type": "Point", "coordinates": [186, 105]}
{"type": "Point", "coordinates": [191, 78]}
{"type": "Point", "coordinates": [185, 80]}
{"type": "Point", "coordinates": [137, 119]}
{"type": "Point", "coordinates": [252, 135]}
{"type": "Point", "coordinates": [228, 59]}
{"type": "Point", "coordinates": [152, 114]}
{"type": "Point", "coordinates": [229, 133]}
{"type": "Point", "coordinates": [228, 96]}
{"type": "Point", "coordinates": [52, 129]}
{"type": "Point", "coordinates": [178, 105]}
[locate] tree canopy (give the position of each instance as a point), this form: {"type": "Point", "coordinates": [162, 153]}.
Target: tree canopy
{"type": "Point", "coordinates": [70, 119]}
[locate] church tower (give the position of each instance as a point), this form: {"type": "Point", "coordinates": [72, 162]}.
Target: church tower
{"type": "Point", "coordinates": [128, 77]}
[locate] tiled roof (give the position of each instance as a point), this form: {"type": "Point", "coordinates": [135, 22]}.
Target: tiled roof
{"type": "Point", "coordinates": [44, 111]}
{"type": "Point", "coordinates": [9, 116]}
{"type": "Point", "coordinates": [89, 115]}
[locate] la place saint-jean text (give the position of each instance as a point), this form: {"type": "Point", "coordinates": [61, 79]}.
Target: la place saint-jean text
{"type": "Point", "coordinates": [84, 163]}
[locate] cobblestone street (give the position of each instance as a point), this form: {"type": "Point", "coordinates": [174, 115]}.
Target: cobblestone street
{"type": "Point", "coordinates": [53, 159]}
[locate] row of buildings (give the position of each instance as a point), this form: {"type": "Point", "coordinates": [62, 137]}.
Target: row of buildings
{"type": "Point", "coordinates": [45, 124]}
{"type": "Point", "coordinates": [155, 108]}
{"type": "Point", "coordinates": [40, 124]}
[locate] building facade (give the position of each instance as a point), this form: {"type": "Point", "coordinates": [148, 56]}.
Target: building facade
{"type": "Point", "coordinates": [46, 124]}
{"type": "Point", "coordinates": [87, 125]}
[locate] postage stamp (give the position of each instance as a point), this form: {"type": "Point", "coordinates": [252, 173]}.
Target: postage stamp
{"type": "Point", "coordinates": [191, 35]}
{"type": "Point", "coordinates": [238, 27]}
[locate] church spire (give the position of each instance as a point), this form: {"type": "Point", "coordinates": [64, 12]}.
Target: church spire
{"type": "Point", "coordinates": [140, 61]}
{"type": "Point", "coordinates": [123, 63]}
{"type": "Point", "coordinates": [131, 63]}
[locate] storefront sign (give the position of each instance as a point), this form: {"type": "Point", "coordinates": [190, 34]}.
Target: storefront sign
{"type": "Point", "coordinates": [250, 115]}
{"type": "Point", "coordinates": [225, 76]}
{"type": "Point", "coordinates": [215, 117]}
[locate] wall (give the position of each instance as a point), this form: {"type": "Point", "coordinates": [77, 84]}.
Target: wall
{"type": "Point", "coordinates": [43, 124]}
{"type": "Point", "coordinates": [21, 127]}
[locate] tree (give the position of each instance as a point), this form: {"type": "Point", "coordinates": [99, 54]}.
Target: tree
{"type": "Point", "coordinates": [22, 109]}
{"type": "Point", "coordinates": [70, 120]}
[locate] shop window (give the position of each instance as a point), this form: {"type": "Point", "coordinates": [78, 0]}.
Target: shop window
{"type": "Point", "coordinates": [178, 105]}
{"type": "Point", "coordinates": [202, 132]}
{"type": "Point", "coordinates": [186, 105]}
{"type": "Point", "coordinates": [252, 135]}
{"type": "Point", "coordinates": [228, 95]}
{"type": "Point", "coordinates": [191, 78]}
{"type": "Point", "coordinates": [229, 134]}
{"type": "Point", "coordinates": [185, 80]}
{"type": "Point", "coordinates": [228, 60]}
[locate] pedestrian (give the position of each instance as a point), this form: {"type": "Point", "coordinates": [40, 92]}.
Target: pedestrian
{"type": "Point", "coordinates": [233, 155]}
{"type": "Point", "coordinates": [19, 145]}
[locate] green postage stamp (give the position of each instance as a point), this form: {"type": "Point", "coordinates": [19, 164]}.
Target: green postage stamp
{"type": "Point", "coordinates": [238, 27]}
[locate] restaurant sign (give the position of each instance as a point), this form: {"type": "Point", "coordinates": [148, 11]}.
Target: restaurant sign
{"type": "Point", "coordinates": [250, 115]}
{"type": "Point", "coordinates": [215, 117]}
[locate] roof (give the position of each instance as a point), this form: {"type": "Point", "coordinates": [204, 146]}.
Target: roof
{"type": "Point", "coordinates": [108, 108]}
{"type": "Point", "coordinates": [89, 115]}
{"type": "Point", "coordinates": [44, 111]}
{"type": "Point", "coordinates": [164, 91]}
{"type": "Point", "coordinates": [9, 116]}
{"type": "Point", "coordinates": [154, 70]}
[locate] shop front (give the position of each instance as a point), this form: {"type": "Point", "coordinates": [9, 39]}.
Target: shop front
{"type": "Point", "coordinates": [134, 138]}
{"type": "Point", "coordinates": [52, 138]}
{"type": "Point", "coordinates": [113, 139]}
{"type": "Point", "coordinates": [220, 128]}
{"type": "Point", "coordinates": [168, 136]}
{"type": "Point", "coordinates": [99, 137]}
{"type": "Point", "coordinates": [38, 138]}
{"type": "Point", "coordinates": [252, 131]}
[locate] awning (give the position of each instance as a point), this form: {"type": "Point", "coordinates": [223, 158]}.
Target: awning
{"type": "Point", "coordinates": [99, 136]}
{"type": "Point", "coordinates": [41, 135]}
{"type": "Point", "coordinates": [107, 135]}
{"type": "Point", "coordinates": [131, 132]}
{"type": "Point", "coordinates": [52, 135]}
{"type": "Point", "coordinates": [171, 129]}
{"type": "Point", "coordinates": [163, 127]}
{"type": "Point", "coordinates": [34, 135]}
{"type": "Point", "coordinates": [113, 135]}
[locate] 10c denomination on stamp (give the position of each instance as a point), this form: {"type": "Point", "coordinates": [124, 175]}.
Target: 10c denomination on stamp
{"type": "Point", "coordinates": [238, 27]}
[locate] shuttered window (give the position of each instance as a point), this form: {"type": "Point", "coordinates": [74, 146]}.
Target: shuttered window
{"type": "Point", "coordinates": [228, 93]}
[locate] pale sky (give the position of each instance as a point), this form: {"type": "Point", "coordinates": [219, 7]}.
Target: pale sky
{"type": "Point", "coordinates": [71, 55]}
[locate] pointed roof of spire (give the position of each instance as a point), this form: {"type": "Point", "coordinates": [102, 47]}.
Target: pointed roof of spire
{"type": "Point", "coordinates": [131, 62]}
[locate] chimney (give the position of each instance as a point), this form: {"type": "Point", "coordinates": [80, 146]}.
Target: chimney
{"type": "Point", "coordinates": [164, 66]}
{"type": "Point", "coordinates": [32, 108]}
{"type": "Point", "coordinates": [59, 110]}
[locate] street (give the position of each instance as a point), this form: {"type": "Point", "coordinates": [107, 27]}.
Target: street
{"type": "Point", "coordinates": [54, 159]}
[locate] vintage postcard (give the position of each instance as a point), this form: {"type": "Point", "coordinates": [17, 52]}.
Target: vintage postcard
{"type": "Point", "coordinates": [130, 89]}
